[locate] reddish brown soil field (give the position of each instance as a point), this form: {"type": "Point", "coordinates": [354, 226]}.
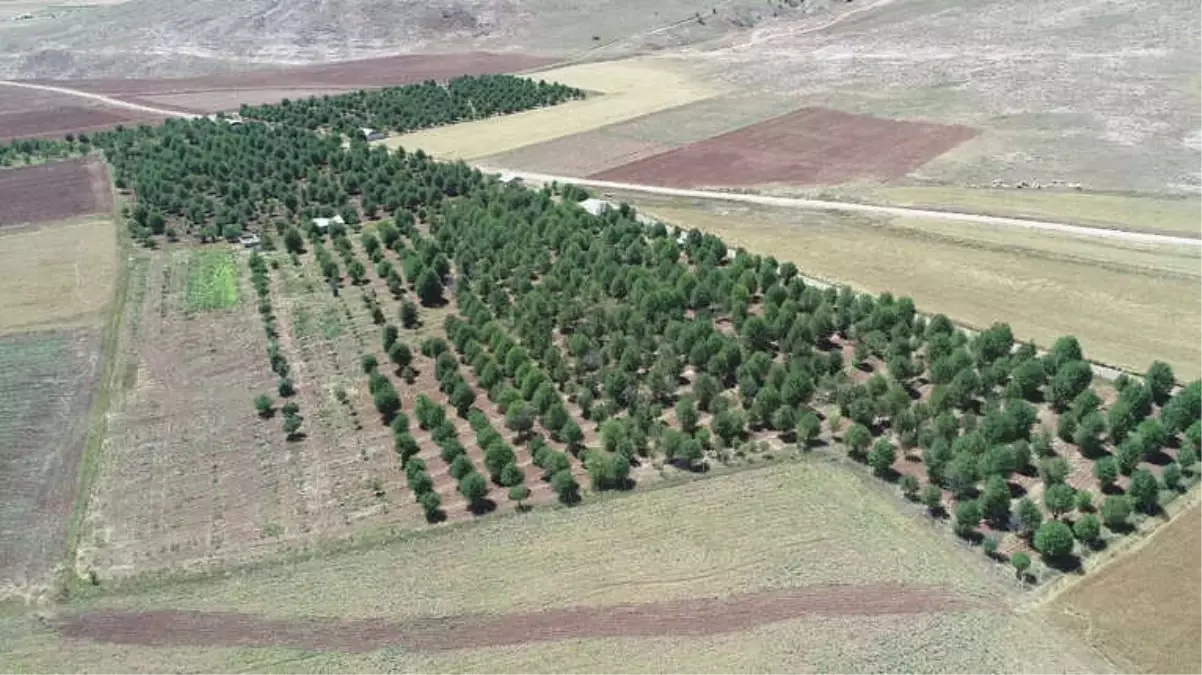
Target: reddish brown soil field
{"type": "Point", "coordinates": [811, 146]}
{"type": "Point", "coordinates": [334, 77]}
{"type": "Point", "coordinates": [26, 113]}
{"type": "Point", "coordinates": [700, 616]}
{"type": "Point", "coordinates": [54, 191]}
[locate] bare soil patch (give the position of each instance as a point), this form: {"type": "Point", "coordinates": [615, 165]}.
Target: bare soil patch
{"type": "Point", "coordinates": [811, 146]}
{"type": "Point", "coordinates": [54, 191]}
{"type": "Point", "coordinates": [216, 92]}
{"type": "Point", "coordinates": [28, 113]}
{"type": "Point", "coordinates": [696, 616]}
{"type": "Point", "coordinates": [47, 381]}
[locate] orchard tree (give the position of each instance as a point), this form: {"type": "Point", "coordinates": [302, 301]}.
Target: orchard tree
{"type": "Point", "coordinates": [1058, 498]}
{"type": "Point", "coordinates": [932, 498]}
{"type": "Point", "coordinates": [1116, 511]}
{"type": "Point", "coordinates": [474, 489]}
{"type": "Point", "coordinates": [566, 487]}
{"type": "Point", "coordinates": [1159, 379]}
{"type": "Point", "coordinates": [1054, 540]}
{"type": "Point", "coordinates": [1029, 516]}
{"type": "Point", "coordinates": [1087, 529]}
{"type": "Point", "coordinates": [512, 476]}
{"type": "Point", "coordinates": [909, 487]}
{"type": "Point", "coordinates": [263, 405]}
{"type": "Point", "coordinates": [429, 288]}
{"type": "Point", "coordinates": [1021, 562]}
{"type": "Point", "coordinates": [882, 457]}
{"type": "Point", "coordinates": [1106, 471]}
{"type": "Point", "coordinates": [431, 505]}
{"type": "Point", "coordinates": [687, 415]}
{"type": "Point", "coordinates": [520, 419]}
{"type": "Point", "coordinates": [519, 493]}
{"type": "Point", "coordinates": [409, 315]}
{"type": "Point", "coordinates": [995, 502]}
{"type": "Point", "coordinates": [857, 439]}
{"type": "Point", "coordinates": [808, 428]}
{"type": "Point", "coordinates": [968, 516]}
{"type": "Point", "coordinates": [1144, 491]}
{"type": "Point", "coordinates": [1070, 379]}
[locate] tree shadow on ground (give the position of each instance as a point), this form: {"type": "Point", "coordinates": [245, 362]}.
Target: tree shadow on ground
{"type": "Point", "coordinates": [1069, 564]}
{"type": "Point", "coordinates": [1016, 491]}
{"type": "Point", "coordinates": [483, 507]}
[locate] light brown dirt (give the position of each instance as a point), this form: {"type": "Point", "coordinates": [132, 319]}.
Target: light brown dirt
{"type": "Point", "coordinates": [811, 146]}
{"type": "Point", "coordinates": [54, 191]}
{"type": "Point", "coordinates": [696, 616]}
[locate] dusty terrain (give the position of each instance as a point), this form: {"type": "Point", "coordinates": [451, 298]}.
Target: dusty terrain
{"type": "Point", "coordinates": [811, 146]}
{"type": "Point", "coordinates": [54, 191]}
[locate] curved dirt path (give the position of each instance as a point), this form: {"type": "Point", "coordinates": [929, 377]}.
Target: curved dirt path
{"type": "Point", "coordinates": [694, 616]}
{"type": "Point", "coordinates": [107, 100]}
{"type": "Point", "coordinates": [854, 207]}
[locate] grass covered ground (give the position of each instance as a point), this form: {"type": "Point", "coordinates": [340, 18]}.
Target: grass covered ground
{"type": "Point", "coordinates": [780, 527]}
{"type": "Point", "coordinates": [212, 280]}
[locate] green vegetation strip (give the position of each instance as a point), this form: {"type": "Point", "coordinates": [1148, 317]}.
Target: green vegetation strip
{"type": "Point", "coordinates": [212, 281]}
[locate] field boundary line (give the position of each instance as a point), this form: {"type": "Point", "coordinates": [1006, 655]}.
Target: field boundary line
{"type": "Point", "coordinates": [855, 207]}
{"type": "Point", "coordinates": [115, 102]}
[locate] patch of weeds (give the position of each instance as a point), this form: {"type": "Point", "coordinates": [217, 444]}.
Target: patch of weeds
{"type": "Point", "coordinates": [272, 530]}
{"type": "Point", "coordinates": [212, 281]}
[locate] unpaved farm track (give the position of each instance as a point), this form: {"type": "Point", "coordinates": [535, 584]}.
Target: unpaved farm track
{"type": "Point", "coordinates": [697, 616]}
{"type": "Point", "coordinates": [854, 207]}
{"type": "Point", "coordinates": [118, 103]}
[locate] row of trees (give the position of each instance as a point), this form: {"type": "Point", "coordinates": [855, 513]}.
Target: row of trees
{"type": "Point", "coordinates": [279, 363]}
{"type": "Point", "coordinates": [416, 106]}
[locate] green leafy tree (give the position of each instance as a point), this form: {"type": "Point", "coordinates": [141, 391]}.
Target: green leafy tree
{"type": "Point", "coordinates": [882, 457]}
{"type": "Point", "coordinates": [1021, 562]}
{"type": "Point", "coordinates": [1058, 497]}
{"type": "Point", "coordinates": [1083, 501]}
{"type": "Point", "coordinates": [968, 516]}
{"type": "Point", "coordinates": [931, 497]}
{"type": "Point", "coordinates": [1029, 516]}
{"type": "Point", "coordinates": [808, 428]}
{"type": "Point", "coordinates": [687, 415]}
{"type": "Point", "coordinates": [1106, 470]}
{"type": "Point", "coordinates": [474, 489]}
{"type": "Point", "coordinates": [520, 419]}
{"type": "Point", "coordinates": [729, 425]}
{"type": "Point", "coordinates": [460, 467]}
{"type": "Point", "coordinates": [519, 493]}
{"type": "Point", "coordinates": [1144, 491]}
{"type": "Point", "coordinates": [1054, 539]}
{"type": "Point", "coordinates": [1116, 511]}
{"type": "Point", "coordinates": [1070, 379]}
{"type": "Point", "coordinates": [463, 397]}
{"type": "Point", "coordinates": [292, 425]}
{"type": "Point", "coordinates": [909, 487]}
{"type": "Point", "coordinates": [368, 363]}
{"type": "Point", "coordinates": [263, 406]}
{"type": "Point", "coordinates": [1172, 477]}
{"type": "Point", "coordinates": [409, 314]}
{"type": "Point", "coordinates": [1053, 470]}
{"type": "Point", "coordinates": [431, 505]}
{"type": "Point", "coordinates": [1088, 529]}
{"type": "Point", "coordinates": [857, 439]}
{"type": "Point", "coordinates": [512, 476]}
{"type": "Point", "coordinates": [565, 487]}
{"type": "Point", "coordinates": [995, 502]}
{"type": "Point", "coordinates": [429, 288]}
{"type": "Point", "coordinates": [1159, 379]}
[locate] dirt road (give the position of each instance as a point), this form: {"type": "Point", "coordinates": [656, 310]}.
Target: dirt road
{"type": "Point", "coordinates": [852, 207]}
{"type": "Point", "coordinates": [117, 103]}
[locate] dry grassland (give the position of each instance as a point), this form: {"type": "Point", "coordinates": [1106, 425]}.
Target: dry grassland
{"type": "Point", "coordinates": [1168, 215]}
{"type": "Point", "coordinates": [622, 90]}
{"type": "Point", "coordinates": [1142, 610]}
{"type": "Point", "coordinates": [1129, 304]}
{"type": "Point", "coordinates": [58, 275]}
{"type": "Point", "coordinates": [773, 528]}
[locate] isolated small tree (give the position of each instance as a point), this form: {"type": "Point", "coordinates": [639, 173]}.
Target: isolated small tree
{"type": "Point", "coordinates": [1087, 529]}
{"type": "Point", "coordinates": [518, 493]}
{"type": "Point", "coordinates": [1054, 539]}
{"type": "Point", "coordinates": [1021, 562]}
{"type": "Point", "coordinates": [1029, 516]}
{"type": "Point", "coordinates": [882, 456]}
{"type": "Point", "coordinates": [263, 405]}
{"type": "Point", "coordinates": [292, 425]}
{"type": "Point", "coordinates": [932, 498]}
{"type": "Point", "coordinates": [1116, 511]}
{"type": "Point", "coordinates": [1144, 491]}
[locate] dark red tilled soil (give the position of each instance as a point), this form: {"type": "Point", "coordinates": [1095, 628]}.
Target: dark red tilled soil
{"type": "Point", "coordinates": [811, 146]}
{"type": "Point", "coordinates": [54, 191]}
{"type": "Point", "coordinates": [342, 75]}
{"type": "Point", "coordinates": [699, 616]}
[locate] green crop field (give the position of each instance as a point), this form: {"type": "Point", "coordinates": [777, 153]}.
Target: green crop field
{"type": "Point", "coordinates": [212, 281]}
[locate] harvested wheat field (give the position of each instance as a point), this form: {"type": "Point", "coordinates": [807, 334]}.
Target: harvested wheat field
{"type": "Point", "coordinates": [54, 191]}
{"type": "Point", "coordinates": [811, 146]}
{"type": "Point", "coordinates": [559, 589]}
{"type": "Point", "coordinates": [58, 275]}
{"type": "Point", "coordinates": [47, 382]}
{"type": "Point", "coordinates": [1142, 609]}
{"type": "Point", "coordinates": [621, 90]}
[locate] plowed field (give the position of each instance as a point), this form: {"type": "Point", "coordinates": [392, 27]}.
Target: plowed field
{"type": "Point", "coordinates": [811, 146]}
{"type": "Point", "coordinates": [54, 191]}
{"type": "Point", "coordinates": [695, 616]}
{"type": "Point", "coordinates": [28, 113]}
